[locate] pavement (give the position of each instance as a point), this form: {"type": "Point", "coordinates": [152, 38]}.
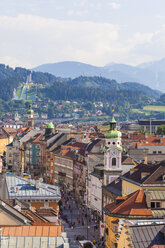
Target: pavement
{"type": "Point", "coordinates": [78, 223]}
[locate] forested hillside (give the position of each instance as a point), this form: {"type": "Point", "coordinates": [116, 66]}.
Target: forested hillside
{"type": "Point", "coordinates": [123, 96]}
{"type": "Point", "coordinates": [11, 78]}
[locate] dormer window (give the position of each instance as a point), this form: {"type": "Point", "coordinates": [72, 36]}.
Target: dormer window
{"type": "Point", "coordinates": [155, 204]}
{"type": "Point", "coordinates": [132, 170]}
{"type": "Point", "coordinates": [144, 174]}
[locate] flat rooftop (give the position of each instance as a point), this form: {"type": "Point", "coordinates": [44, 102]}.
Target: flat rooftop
{"type": "Point", "coordinates": [22, 188]}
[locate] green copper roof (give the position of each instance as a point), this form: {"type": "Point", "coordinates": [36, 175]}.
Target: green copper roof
{"type": "Point", "coordinates": [113, 120]}
{"type": "Point", "coordinates": [114, 134]}
{"type": "Point", "coordinates": [30, 110]}
{"type": "Point", "coordinates": [50, 125]}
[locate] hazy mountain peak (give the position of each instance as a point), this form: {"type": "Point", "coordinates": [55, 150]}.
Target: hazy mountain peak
{"type": "Point", "coordinates": [151, 74]}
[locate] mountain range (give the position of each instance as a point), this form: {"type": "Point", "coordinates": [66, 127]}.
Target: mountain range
{"type": "Point", "coordinates": [151, 74]}
{"type": "Point", "coordinates": [85, 90]}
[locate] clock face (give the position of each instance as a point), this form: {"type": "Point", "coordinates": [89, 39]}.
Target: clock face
{"type": "Point", "coordinates": [113, 152]}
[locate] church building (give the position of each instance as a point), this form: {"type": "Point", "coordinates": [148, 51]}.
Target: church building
{"type": "Point", "coordinates": [112, 153]}
{"type": "Point", "coordinates": [30, 117]}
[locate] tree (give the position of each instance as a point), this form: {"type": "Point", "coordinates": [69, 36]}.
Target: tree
{"type": "Point", "coordinates": [161, 130]}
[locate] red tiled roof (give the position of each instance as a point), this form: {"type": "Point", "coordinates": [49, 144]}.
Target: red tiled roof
{"type": "Point", "coordinates": [133, 204]}
{"type": "Point", "coordinates": [33, 231]}
{"type": "Point", "coordinates": [70, 154]}
{"type": "Point", "coordinates": [151, 141]}
{"type": "Point", "coordinates": [133, 136]}
{"type": "Point", "coordinates": [23, 129]}
{"type": "Point", "coordinates": [35, 139]}
{"type": "Point", "coordinates": [46, 212]}
{"type": "Point", "coordinates": [10, 131]}
{"type": "Point", "coordinates": [33, 216]}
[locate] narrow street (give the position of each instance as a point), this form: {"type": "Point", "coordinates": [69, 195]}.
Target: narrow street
{"type": "Point", "coordinates": [78, 223]}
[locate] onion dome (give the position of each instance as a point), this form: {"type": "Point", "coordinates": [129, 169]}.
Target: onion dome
{"type": "Point", "coordinates": [50, 125]}
{"type": "Point", "coordinates": [30, 110]}
{"type": "Point", "coordinates": [113, 134]}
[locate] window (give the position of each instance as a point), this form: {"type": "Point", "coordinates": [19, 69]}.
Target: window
{"type": "Point", "coordinates": [159, 152]}
{"type": "Point", "coordinates": [114, 228]}
{"type": "Point", "coordinates": [114, 245]}
{"type": "Point", "coordinates": [155, 204]}
{"type": "Point", "coordinates": [113, 143]}
{"type": "Point", "coordinates": [109, 143]}
{"type": "Point", "coordinates": [154, 152]}
{"type": "Point", "coordinates": [106, 231]}
{"type": "Point", "coordinates": [113, 161]}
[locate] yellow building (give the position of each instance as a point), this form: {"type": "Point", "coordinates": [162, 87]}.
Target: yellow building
{"type": "Point", "coordinates": [4, 141]}
{"type": "Point", "coordinates": [133, 207]}
{"type": "Point", "coordinates": [6, 137]}
{"type": "Point", "coordinates": [150, 177]}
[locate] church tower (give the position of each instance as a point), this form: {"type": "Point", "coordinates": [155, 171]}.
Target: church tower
{"type": "Point", "coordinates": [112, 153]}
{"type": "Point", "coordinates": [30, 117]}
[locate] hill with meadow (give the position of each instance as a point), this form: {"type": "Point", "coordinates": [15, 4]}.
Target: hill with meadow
{"type": "Point", "coordinates": [123, 97]}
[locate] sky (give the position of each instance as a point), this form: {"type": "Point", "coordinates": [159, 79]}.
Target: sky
{"type": "Point", "coordinates": [97, 32]}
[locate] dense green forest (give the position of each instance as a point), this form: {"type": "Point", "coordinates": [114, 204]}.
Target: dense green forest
{"type": "Point", "coordinates": [123, 96]}
{"type": "Point", "coordinates": [61, 91]}
{"type": "Point", "coordinates": [107, 84]}
{"type": "Point", "coordinates": [11, 78]}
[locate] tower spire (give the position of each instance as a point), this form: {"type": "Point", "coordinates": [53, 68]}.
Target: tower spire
{"type": "Point", "coordinates": [112, 152]}
{"type": "Point", "coordinates": [113, 121]}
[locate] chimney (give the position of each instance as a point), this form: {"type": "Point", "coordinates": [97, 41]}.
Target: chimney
{"type": "Point", "coordinates": [148, 198]}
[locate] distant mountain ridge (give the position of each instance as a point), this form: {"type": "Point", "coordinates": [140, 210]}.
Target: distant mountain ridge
{"type": "Point", "coordinates": [123, 97]}
{"type": "Point", "coordinates": [150, 74]}
{"type": "Point", "coordinates": [108, 85]}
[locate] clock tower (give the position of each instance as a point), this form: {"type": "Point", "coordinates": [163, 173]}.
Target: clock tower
{"type": "Point", "coordinates": [30, 117]}
{"type": "Point", "coordinates": [112, 153]}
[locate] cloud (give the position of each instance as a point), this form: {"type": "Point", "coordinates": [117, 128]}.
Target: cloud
{"type": "Point", "coordinates": [33, 40]}
{"type": "Point", "coordinates": [114, 5]}
{"type": "Point", "coordinates": [148, 46]}
{"type": "Point", "coordinates": [28, 40]}
{"type": "Point", "coordinates": [14, 62]}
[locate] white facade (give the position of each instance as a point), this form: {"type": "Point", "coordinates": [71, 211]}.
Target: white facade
{"type": "Point", "coordinates": [96, 193]}
{"type": "Point", "coordinates": [112, 159]}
